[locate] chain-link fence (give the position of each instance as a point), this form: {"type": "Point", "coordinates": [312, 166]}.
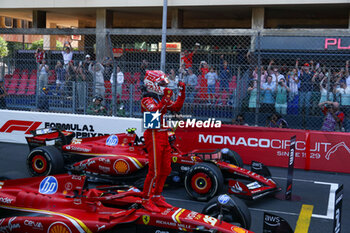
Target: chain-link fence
{"type": "Point", "coordinates": [267, 80]}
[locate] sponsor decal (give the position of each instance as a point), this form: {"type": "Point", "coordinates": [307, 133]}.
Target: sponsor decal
{"type": "Point", "coordinates": [191, 215]}
{"type": "Point", "coordinates": [75, 177]}
{"type": "Point", "coordinates": [159, 231]}
{"type": "Point", "coordinates": [238, 229]}
{"type": "Point", "coordinates": [58, 227]}
{"type": "Point", "coordinates": [131, 148]}
{"type": "Point", "coordinates": [236, 188]}
{"type": "Point", "coordinates": [76, 141]}
{"type": "Point", "coordinates": [210, 220]}
{"type": "Point", "coordinates": [35, 225]}
{"type": "Point", "coordinates": [100, 227]}
{"type": "Point", "coordinates": [17, 125]}
{"type": "Point", "coordinates": [184, 168]}
{"type": "Point", "coordinates": [274, 223]}
{"type": "Point", "coordinates": [223, 199]}
{"type": "Point", "coordinates": [151, 120]}
{"type": "Point", "coordinates": [80, 149]}
{"type": "Point", "coordinates": [48, 185]}
{"type": "Point", "coordinates": [146, 219]}
{"type": "Point", "coordinates": [173, 224]}
{"type": "Point", "coordinates": [280, 146]}
{"type": "Point", "coordinates": [9, 227]}
{"type": "Point", "coordinates": [121, 166]}
{"type": "Point", "coordinates": [6, 200]}
{"type": "Point", "coordinates": [68, 186]}
{"type": "Point", "coordinates": [166, 211]}
{"type": "Point", "coordinates": [77, 201]}
{"type": "Point", "coordinates": [174, 159]}
{"type": "Point", "coordinates": [104, 169]}
{"type": "Point", "coordinates": [104, 160]}
{"type": "Point", "coordinates": [112, 140]}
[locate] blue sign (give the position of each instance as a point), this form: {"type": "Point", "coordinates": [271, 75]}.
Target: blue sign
{"type": "Point", "coordinates": [151, 120]}
{"type": "Point", "coordinates": [48, 185]}
{"type": "Point", "coordinates": [112, 140]}
{"type": "Point", "coordinates": [223, 199]}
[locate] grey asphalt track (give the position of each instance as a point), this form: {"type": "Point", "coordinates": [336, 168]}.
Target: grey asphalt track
{"type": "Point", "coordinates": [312, 188]}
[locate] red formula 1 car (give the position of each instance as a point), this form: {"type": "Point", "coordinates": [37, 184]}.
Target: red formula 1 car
{"type": "Point", "coordinates": [123, 158]}
{"type": "Point", "coordinates": [66, 204]}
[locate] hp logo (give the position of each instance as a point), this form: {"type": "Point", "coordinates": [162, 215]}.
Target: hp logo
{"type": "Point", "coordinates": [112, 140]}
{"type": "Point", "coordinates": [48, 185]}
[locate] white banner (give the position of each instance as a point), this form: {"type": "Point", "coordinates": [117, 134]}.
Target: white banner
{"type": "Point", "coordinates": [16, 125]}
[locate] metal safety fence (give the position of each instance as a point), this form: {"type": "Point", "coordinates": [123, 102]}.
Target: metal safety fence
{"type": "Point", "coordinates": [255, 78]}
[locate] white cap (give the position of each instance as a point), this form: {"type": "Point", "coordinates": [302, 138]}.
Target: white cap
{"type": "Point", "coordinates": [87, 55]}
{"type": "Point", "coordinates": [197, 44]}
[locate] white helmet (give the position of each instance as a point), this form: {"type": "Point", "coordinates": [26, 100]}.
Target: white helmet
{"type": "Point", "coordinates": [155, 81]}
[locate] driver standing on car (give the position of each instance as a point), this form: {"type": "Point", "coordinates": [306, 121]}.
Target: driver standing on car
{"type": "Point", "coordinates": [158, 98]}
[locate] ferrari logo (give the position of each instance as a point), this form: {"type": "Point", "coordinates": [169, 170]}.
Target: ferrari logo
{"type": "Point", "coordinates": [174, 159]}
{"type": "Point", "coordinates": [145, 219]}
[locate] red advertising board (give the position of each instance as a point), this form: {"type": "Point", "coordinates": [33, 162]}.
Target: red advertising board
{"type": "Point", "coordinates": [315, 150]}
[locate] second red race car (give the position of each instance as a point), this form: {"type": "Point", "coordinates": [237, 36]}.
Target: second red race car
{"type": "Point", "coordinates": [122, 159]}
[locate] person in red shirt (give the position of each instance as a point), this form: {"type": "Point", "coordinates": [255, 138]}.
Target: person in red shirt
{"type": "Point", "coordinates": [158, 98]}
{"type": "Point", "coordinates": [187, 57]}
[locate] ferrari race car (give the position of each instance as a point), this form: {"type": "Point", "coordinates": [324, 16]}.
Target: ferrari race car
{"type": "Point", "coordinates": [122, 158]}
{"type": "Point", "coordinates": [66, 204]}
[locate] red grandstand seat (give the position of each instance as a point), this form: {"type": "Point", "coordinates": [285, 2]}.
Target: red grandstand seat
{"type": "Point", "coordinates": [7, 79]}
{"type": "Point", "coordinates": [233, 83]}
{"type": "Point", "coordinates": [125, 92]}
{"type": "Point", "coordinates": [127, 77]}
{"type": "Point", "coordinates": [31, 87]}
{"type": "Point", "coordinates": [22, 87]}
{"type": "Point", "coordinates": [108, 90]}
{"type": "Point", "coordinates": [137, 76]}
{"type": "Point", "coordinates": [12, 88]}
{"type": "Point", "coordinates": [137, 94]}
{"type": "Point", "coordinates": [33, 76]}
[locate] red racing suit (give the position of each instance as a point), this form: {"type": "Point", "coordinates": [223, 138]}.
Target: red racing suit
{"type": "Point", "coordinates": [157, 143]}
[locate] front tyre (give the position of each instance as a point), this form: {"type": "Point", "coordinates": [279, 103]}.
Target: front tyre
{"type": "Point", "coordinates": [235, 212]}
{"type": "Point", "coordinates": [43, 161]}
{"type": "Point", "coordinates": [203, 181]}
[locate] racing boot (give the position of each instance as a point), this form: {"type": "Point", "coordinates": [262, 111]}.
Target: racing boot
{"type": "Point", "coordinates": [149, 205]}
{"type": "Point", "coordinates": [160, 201]}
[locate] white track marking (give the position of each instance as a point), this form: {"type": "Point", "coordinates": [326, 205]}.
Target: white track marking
{"type": "Point", "coordinates": [330, 208]}
{"type": "Point", "coordinates": [331, 200]}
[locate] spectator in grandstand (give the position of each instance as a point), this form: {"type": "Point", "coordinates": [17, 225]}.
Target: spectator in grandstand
{"type": "Point", "coordinates": [191, 81]}
{"type": "Point", "coordinates": [70, 78]}
{"type": "Point", "coordinates": [88, 75]}
{"type": "Point", "coordinates": [39, 56]}
{"type": "Point", "coordinates": [182, 73]}
{"type": "Point", "coordinates": [203, 68]}
{"type": "Point", "coordinates": [173, 81]}
{"type": "Point", "coordinates": [211, 78]}
{"type": "Point", "coordinates": [334, 118]}
{"type": "Point", "coordinates": [96, 107]}
{"type": "Point", "coordinates": [80, 80]}
{"type": "Point", "coordinates": [3, 94]}
{"type": "Point", "coordinates": [274, 72]}
{"type": "Point", "coordinates": [120, 81]}
{"type": "Point", "coordinates": [263, 76]}
{"type": "Point", "coordinates": [276, 121]}
{"type": "Point", "coordinates": [306, 88]}
{"type": "Point", "coordinates": [225, 74]}
{"type": "Point", "coordinates": [187, 56]}
{"type": "Point", "coordinates": [344, 93]}
{"type": "Point", "coordinates": [96, 69]}
{"type": "Point", "coordinates": [347, 74]}
{"type": "Point", "coordinates": [253, 94]}
{"type": "Point", "coordinates": [293, 83]}
{"type": "Point", "coordinates": [239, 120]}
{"type": "Point", "coordinates": [325, 90]}
{"type": "Point", "coordinates": [268, 100]}
{"type": "Point", "coordinates": [60, 77]}
{"type": "Point", "coordinates": [43, 74]}
{"type": "Point", "coordinates": [108, 65]}
{"type": "Point", "coordinates": [67, 54]}
{"type": "Point", "coordinates": [143, 68]}
{"type": "Point", "coordinates": [43, 101]}
{"type": "Point", "coordinates": [281, 97]}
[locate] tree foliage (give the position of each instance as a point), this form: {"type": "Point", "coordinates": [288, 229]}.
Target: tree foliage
{"type": "Point", "coordinates": [3, 48]}
{"type": "Point", "coordinates": [40, 43]}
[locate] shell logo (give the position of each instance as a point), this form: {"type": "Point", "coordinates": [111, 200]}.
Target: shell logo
{"type": "Point", "coordinates": [238, 230]}
{"type": "Point", "coordinates": [58, 227]}
{"type": "Point", "coordinates": [121, 166]}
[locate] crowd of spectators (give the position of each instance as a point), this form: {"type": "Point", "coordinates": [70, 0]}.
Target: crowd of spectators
{"type": "Point", "coordinates": [309, 89]}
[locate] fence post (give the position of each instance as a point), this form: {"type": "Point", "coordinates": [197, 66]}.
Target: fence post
{"type": "Point", "coordinates": [114, 73]}
{"type": "Point", "coordinates": [259, 82]}
{"type": "Point", "coordinates": [131, 107]}
{"type": "Point", "coordinates": [74, 99]}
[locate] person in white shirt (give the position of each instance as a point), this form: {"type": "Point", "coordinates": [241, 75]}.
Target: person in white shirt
{"type": "Point", "coordinates": [97, 72]}
{"type": "Point", "coordinates": [43, 74]}
{"type": "Point", "coordinates": [173, 81]}
{"type": "Point", "coordinates": [344, 92]}
{"type": "Point", "coordinates": [211, 78]}
{"type": "Point", "coordinates": [120, 81]}
{"type": "Point", "coordinates": [67, 55]}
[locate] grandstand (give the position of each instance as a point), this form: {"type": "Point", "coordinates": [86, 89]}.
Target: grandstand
{"type": "Point", "coordinates": [248, 36]}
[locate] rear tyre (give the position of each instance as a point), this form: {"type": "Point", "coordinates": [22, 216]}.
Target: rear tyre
{"type": "Point", "coordinates": [203, 181]}
{"type": "Point", "coordinates": [231, 157]}
{"type": "Point", "coordinates": [46, 160]}
{"type": "Point", "coordinates": [235, 212]}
